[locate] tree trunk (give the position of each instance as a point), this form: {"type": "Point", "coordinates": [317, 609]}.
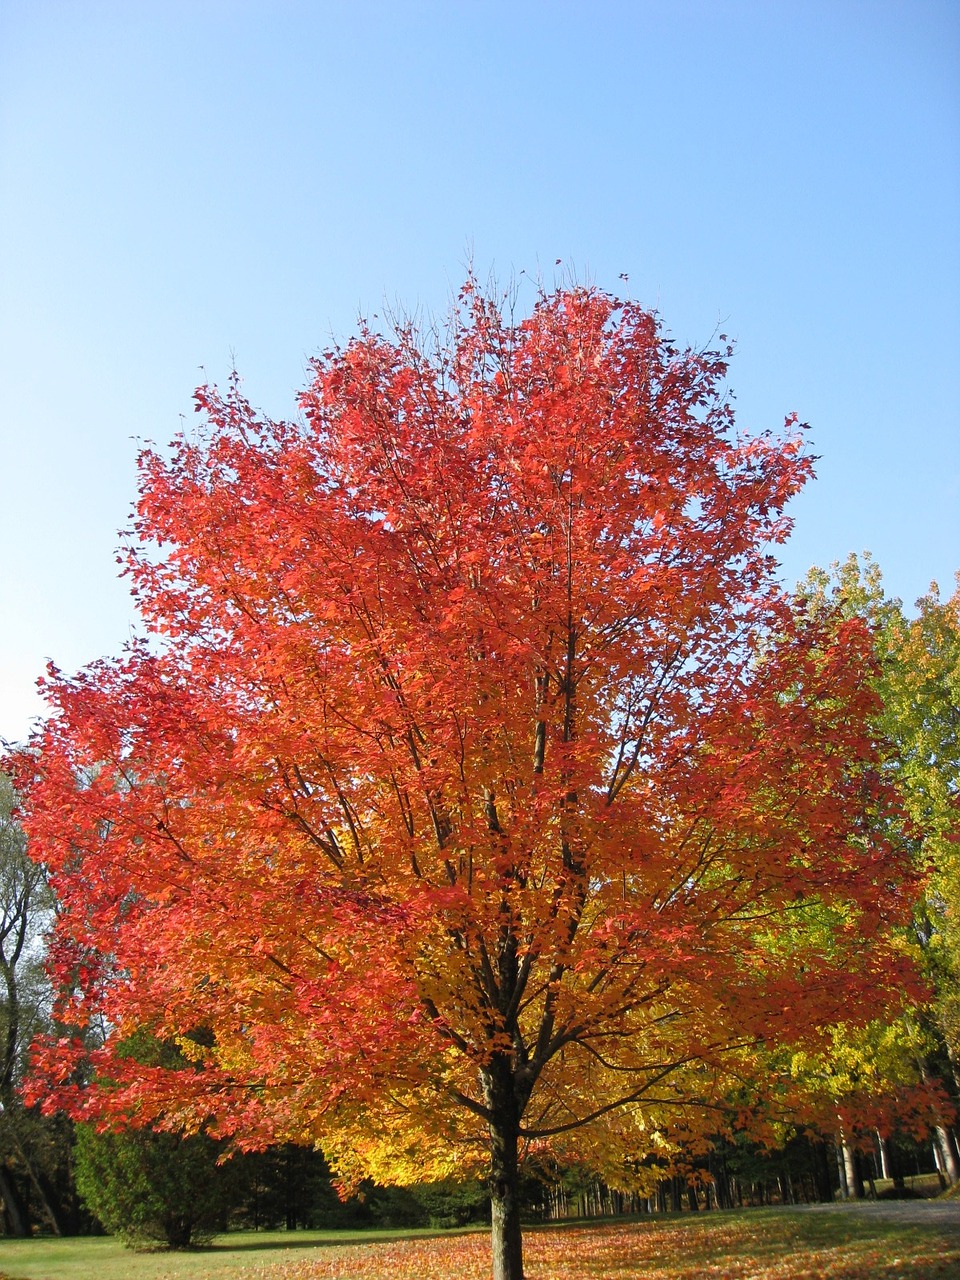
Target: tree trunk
{"type": "Point", "coordinates": [884, 1158]}
{"type": "Point", "coordinates": [943, 1147]}
{"type": "Point", "coordinates": [936, 1070]}
{"type": "Point", "coordinates": [853, 1175]}
{"type": "Point", "coordinates": [8, 1114]}
{"type": "Point", "coordinates": [841, 1168]}
{"type": "Point", "coordinates": [824, 1183]}
{"type": "Point", "coordinates": [895, 1164]}
{"type": "Point", "coordinates": [15, 1219]}
{"type": "Point", "coordinates": [505, 1209]}
{"type": "Point", "coordinates": [506, 1238]}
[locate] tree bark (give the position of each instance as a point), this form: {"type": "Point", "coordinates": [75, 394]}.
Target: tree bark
{"type": "Point", "coordinates": [841, 1167]}
{"type": "Point", "coordinates": [8, 1117]}
{"type": "Point", "coordinates": [936, 1069]}
{"type": "Point", "coordinates": [884, 1158]}
{"type": "Point", "coordinates": [506, 1237]}
{"type": "Point", "coordinates": [853, 1175]}
{"type": "Point", "coordinates": [15, 1219]}
{"type": "Point", "coordinates": [944, 1149]}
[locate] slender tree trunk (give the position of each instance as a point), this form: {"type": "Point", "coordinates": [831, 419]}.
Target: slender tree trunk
{"type": "Point", "coordinates": [506, 1237]}
{"type": "Point", "coordinates": [884, 1158]}
{"type": "Point", "coordinates": [7, 1114]}
{"type": "Point", "coordinates": [15, 1219]}
{"type": "Point", "coordinates": [944, 1150]}
{"type": "Point", "coordinates": [937, 1071]}
{"type": "Point", "coordinates": [838, 1145]}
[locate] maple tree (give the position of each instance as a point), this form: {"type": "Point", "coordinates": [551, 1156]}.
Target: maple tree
{"type": "Point", "coordinates": [460, 800]}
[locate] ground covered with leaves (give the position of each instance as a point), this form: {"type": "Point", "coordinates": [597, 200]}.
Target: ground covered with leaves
{"type": "Point", "coordinates": [918, 1240]}
{"type": "Point", "coordinates": [753, 1246]}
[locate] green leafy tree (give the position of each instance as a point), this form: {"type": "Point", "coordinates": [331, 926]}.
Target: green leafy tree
{"type": "Point", "coordinates": [153, 1188]}
{"type": "Point", "coordinates": [919, 683]}
{"type": "Point", "coordinates": [287, 1186]}
{"type": "Point", "coordinates": [34, 1151]}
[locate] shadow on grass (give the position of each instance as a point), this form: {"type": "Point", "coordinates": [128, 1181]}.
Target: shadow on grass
{"type": "Point", "coordinates": [248, 1242]}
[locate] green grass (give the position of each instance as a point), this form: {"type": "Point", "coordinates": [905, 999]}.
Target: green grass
{"type": "Point", "coordinates": [105, 1258]}
{"type": "Point", "coordinates": [923, 1184]}
{"type": "Point", "coordinates": [844, 1242]}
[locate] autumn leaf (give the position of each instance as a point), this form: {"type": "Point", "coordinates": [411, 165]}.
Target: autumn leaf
{"type": "Point", "coordinates": [474, 772]}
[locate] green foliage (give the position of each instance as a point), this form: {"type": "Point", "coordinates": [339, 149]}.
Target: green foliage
{"type": "Point", "coordinates": [35, 1185]}
{"type": "Point", "coordinates": [285, 1186]}
{"type": "Point", "coordinates": [153, 1188]}
{"type": "Point", "coordinates": [919, 683]}
{"type": "Point", "coordinates": [918, 680]}
{"type": "Point", "coordinates": [432, 1204]}
{"type": "Point", "coordinates": [25, 909]}
{"type": "Point", "coordinates": [445, 1204]}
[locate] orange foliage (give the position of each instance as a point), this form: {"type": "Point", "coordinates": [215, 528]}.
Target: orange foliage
{"type": "Point", "coordinates": [480, 770]}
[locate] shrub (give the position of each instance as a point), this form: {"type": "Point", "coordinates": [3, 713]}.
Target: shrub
{"type": "Point", "coordinates": [152, 1188]}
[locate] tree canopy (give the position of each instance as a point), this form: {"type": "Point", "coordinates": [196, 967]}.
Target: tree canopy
{"type": "Point", "coordinates": [918, 681]}
{"type": "Point", "coordinates": [476, 789]}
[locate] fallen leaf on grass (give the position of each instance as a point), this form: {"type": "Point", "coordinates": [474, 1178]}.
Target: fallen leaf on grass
{"type": "Point", "coordinates": [737, 1250]}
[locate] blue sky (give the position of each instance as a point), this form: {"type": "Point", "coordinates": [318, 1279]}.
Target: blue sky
{"type": "Point", "coordinates": [184, 185]}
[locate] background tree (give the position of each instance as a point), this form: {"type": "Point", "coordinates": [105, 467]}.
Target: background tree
{"type": "Point", "coordinates": [461, 809]}
{"type": "Point", "coordinates": [34, 1152]}
{"type": "Point", "coordinates": [918, 679]}
{"type": "Point", "coordinates": [153, 1188]}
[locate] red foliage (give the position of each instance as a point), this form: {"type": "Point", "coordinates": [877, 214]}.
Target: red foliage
{"type": "Point", "coordinates": [480, 752]}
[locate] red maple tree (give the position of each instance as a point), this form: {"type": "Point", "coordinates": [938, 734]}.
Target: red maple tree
{"type": "Point", "coordinates": [483, 791]}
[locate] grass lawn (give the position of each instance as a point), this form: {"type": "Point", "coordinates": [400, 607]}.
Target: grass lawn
{"type": "Point", "coordinates": [240, 1253]}
{"type": "Point", "coordinates": [842, 1243]}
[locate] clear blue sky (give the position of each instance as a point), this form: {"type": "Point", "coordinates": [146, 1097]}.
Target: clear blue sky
{"type": "Point", "coordinates": [185, 184]}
